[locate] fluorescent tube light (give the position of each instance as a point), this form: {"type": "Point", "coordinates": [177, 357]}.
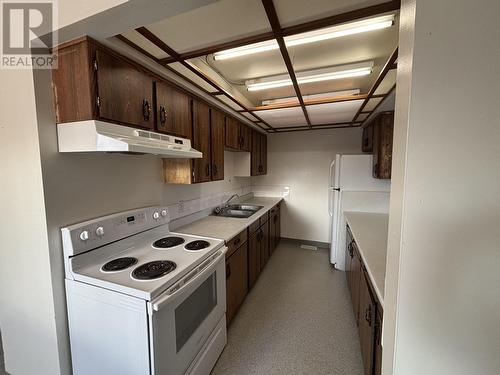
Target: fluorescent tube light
{"type": "Point", "coordinates": [323, 95]}
{"type": "Point", "coordinates": [318, 75]}
{"type": "Point", "coordinates": [337, 31]}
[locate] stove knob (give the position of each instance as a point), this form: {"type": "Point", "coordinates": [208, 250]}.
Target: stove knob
{"type": "Point", "coordinates": [99, 231]}
{"type": "Point", "coordinates": [164, 213]}
{"type": "Point", "coordinates": [84, 236]}
{"type": "Point", "coordinates": [156, 215]}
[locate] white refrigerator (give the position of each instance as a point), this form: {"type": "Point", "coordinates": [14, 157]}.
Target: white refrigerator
{"type": "Point", "coordinates": [352, 188]}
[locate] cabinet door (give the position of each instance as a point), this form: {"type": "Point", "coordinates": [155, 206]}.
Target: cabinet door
{"type": "Point", "coordinates": [125, 92]}
{"type": "Point", "coordinates": [263, 154]}
{"type": "Point", "coordinates": [236, 281]}
{"type": "Point", "coordinates": [245, 138]}
{"type": "Point", "coordinates": [278, 227]}
{"type": "Point", "coordinates": [264, 245]}
{"type": "Point", "coordinates": [272, 232]}
{"type": "Point", "coordinates": [382, 145]}
{"type": "Point", "coordinates": [253, 258]}
{"type": "Point", "coordinates": [201, 141]}
{"type": "Point", "coordinates": [355, 282]}
{"type": "Point", "coordinates": [217, 135]}
{"type": "Point", "coordinates": [378, 345]}
{"type": "Point", "coordinates": [367, 140]}
{"type": "Point", "coordinates": [366, 324]}
{"type": "Point", "coordinates": [232, 133]}
{"type": "Point", "coordinates": [255, 154]}
{"type": "Point", "coordinates": [173, 111]}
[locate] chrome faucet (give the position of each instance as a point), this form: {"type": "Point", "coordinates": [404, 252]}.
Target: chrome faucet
{"type": "Point", "coordinates": [218, 210]}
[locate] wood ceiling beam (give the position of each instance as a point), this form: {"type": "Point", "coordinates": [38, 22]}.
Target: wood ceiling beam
{"type": "Point", "coordinates": [292, 30]}
{"type": "Point", "coordinates": [170, 51]}
{"type": "Point", "coordinates": [310, 102]}
{"type": "Point", "coordinates": [387, 67]}
{"type": "Point", "coordinates": [278, 35]}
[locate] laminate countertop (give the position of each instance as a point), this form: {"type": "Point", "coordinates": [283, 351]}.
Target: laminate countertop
{"type": "Point", "coordinates": [370, 233]}
{"type": "Point", "coordinates": [226, 228]}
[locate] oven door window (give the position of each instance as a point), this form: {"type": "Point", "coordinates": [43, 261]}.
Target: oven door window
{"type": "Point", "coordinates": [194, 309]}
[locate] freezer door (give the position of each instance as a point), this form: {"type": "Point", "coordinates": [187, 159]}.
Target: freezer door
{"type": "Point", "coordinates": [334, 171]}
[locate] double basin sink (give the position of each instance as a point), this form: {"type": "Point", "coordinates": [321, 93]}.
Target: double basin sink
{"type": "Point", "coordinates": [241, 211]}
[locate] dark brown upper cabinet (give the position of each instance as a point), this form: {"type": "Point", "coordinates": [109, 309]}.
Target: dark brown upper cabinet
{"type": "Point", "coordinates": [208, 138]}
{"type": "Point", "coordinates": [232, 134]}
{"type": "Point", "coordinates": [383, 127]}
{"type": "Point", "coordinates": [202, 168]}
{"type": "Point", "coordinates": [245, 138]}
{"type": "Point", "coordinates": [217, 139]}
{"type": "Point", "coordinates": [93, 82]}
{"type": "Point", "coordinates": [367, 140]}
{"type": "Point", "coordinates": [258, 161]}
{"type": "Point", "coordinates": [173, 111]}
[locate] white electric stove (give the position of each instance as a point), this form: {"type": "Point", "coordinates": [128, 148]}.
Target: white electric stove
{"type": "Point", "coordinates": [141, 299]}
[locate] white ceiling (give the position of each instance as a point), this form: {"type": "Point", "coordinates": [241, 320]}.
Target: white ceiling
{"type": "Point", "coordinates": [228, 20]}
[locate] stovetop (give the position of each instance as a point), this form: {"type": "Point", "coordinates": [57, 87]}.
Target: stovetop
{"type": "Point", "coordinates": [145, 264]}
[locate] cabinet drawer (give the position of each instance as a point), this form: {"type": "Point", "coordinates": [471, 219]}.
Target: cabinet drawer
{"type": "Point", "coordinates": [274, 210]}
{"type": "Point", "coordinates": [264, 218]}
{"type": "Point", "coordinates": [235, 242]}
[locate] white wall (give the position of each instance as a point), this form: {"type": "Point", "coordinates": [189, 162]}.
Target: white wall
{"type": "Point", "coordinates": [442, 300]}
{"type": "Point", "coordinates": [301, 161]}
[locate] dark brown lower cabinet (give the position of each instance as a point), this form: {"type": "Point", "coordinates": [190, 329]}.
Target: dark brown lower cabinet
{"type": "Point", "coordinates": [274, 228]}
{"type": "Point", "coordinates": [367, 310]}
{"type": "Point", "coordinates": [253, 258]}
{"type": "Point", "coordinates": [366, 307]}
{"type": "Point", "coordinates": [264, 244]}
{"type": "Point", "coordinates": [236, 281]}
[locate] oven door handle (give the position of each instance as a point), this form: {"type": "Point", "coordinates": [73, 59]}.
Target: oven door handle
{"type": "Point", "coordinates": [206, 268]}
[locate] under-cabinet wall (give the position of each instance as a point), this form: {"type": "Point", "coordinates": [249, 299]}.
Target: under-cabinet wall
{"type": "Point", "coordinates": [301, 161]}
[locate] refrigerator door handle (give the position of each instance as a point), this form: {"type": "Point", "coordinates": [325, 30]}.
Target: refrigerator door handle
{"type": "Point", "coordinates": [330, 211]}
{"type": "Point", "coordinates": [332, 165]}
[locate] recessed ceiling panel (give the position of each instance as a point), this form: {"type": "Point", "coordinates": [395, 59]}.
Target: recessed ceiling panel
{"type": "Point", "coordinates": [229, 102]}
{"type": "Point", "coordinates": [250, 116]}
{"type": "Point", "coordinates": [387, 83]}
{"type": "Point", "coordinates": [295, 12]}
{"type": "Point", "coordinates": [362, 116]}
{"type": "Point", "coordinates": [333, 113]}
{"type": "Point", "coordinates": [145, 44]}
{"type": "Point", "coordinates": [193, 77]}
{"type": "Point", "coordinates": [280, 118]}
{"type": "Point", "coordinates": [372, 103]}
{"type": "Point", "coordinates": [219, 22]}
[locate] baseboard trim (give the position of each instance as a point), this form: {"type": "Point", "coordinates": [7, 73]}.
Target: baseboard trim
{"type": "Point", "coordinates": [321, 245]}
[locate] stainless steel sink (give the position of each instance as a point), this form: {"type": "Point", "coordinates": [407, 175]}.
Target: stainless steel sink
{"type": "Point", "coordinates": [241, 211]}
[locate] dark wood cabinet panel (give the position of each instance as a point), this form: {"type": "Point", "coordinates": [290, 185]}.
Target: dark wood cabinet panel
{"type": "Point", "coordinates": [236, 281]}
{"type": "Point", "coordinates": [367, 140]}
{"type": "Point", "coordinates": [217, 135]}
{"type": "Point", "coordinates": [173, 111]}
{"type": "Point", "coordinates": [74, 84]}
{"type": "Point", "coordinates": [264, 244]}
{"type": "Point", "coordinates": [245, 138]}
{"type": "Point", "coordinates": [366, 324]}
{"type": "Point", "coordinates": [125, 93]}
{"type": "Point", "coordinates": [255, 154]}
{"type": "Point", "coordinates": [263, 154]}
{"type": "Point", "coordinates": [377, 366]}
{"type": "Point", "coordinates": [253, 258]}
{"type": "Point", "coordinates": [383, 127]}
{"type": "Point", "coordinates": [274, 229]}
{"type": "Point", "coordinates": [355, 282]}
{"type": "Point", "coordinates": [201, 142]}
{"type": "Point", "coordinates": [232, 134]}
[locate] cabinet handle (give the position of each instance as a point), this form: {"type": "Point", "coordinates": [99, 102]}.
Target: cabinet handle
{"type": "Point", "coordinates": [368, 315]}
{"type": "Point", "coordinates": [215, 169]}
{"type": "Point", "coordinates": [237, 241]}
{"type": "Point", "coordinates": [208, 169]}
{"type": "Point", "coordinates": [228, 271]}
{"type": "Point", "coordinates": [260, 168]}
{"type": "Point", "coordinates": [163, 115]}
{"type": "Point", "coordinates": [146, 110]}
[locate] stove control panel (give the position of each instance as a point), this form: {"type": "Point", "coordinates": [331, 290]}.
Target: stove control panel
{"type": "Point", "coordinates": [94, 233]}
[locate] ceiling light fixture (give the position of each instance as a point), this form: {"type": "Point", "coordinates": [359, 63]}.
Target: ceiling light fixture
{"type": "Point", "coordinates": [318, 75]}
{"type": "Point", "coordinates": [323, 95]}
{"type": "Point", "coordinates": [332, 32]}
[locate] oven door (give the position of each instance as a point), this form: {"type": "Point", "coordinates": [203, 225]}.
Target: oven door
{"type": "Point", "coordinates": [182, 318]}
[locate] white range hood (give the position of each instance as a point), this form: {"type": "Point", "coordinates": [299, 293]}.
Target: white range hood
{"type": "Point", "coordinates": [100, 136]}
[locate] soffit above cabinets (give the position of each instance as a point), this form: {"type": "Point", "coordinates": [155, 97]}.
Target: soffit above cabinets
{"type": "Point", "coordinates": [186, 44]}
